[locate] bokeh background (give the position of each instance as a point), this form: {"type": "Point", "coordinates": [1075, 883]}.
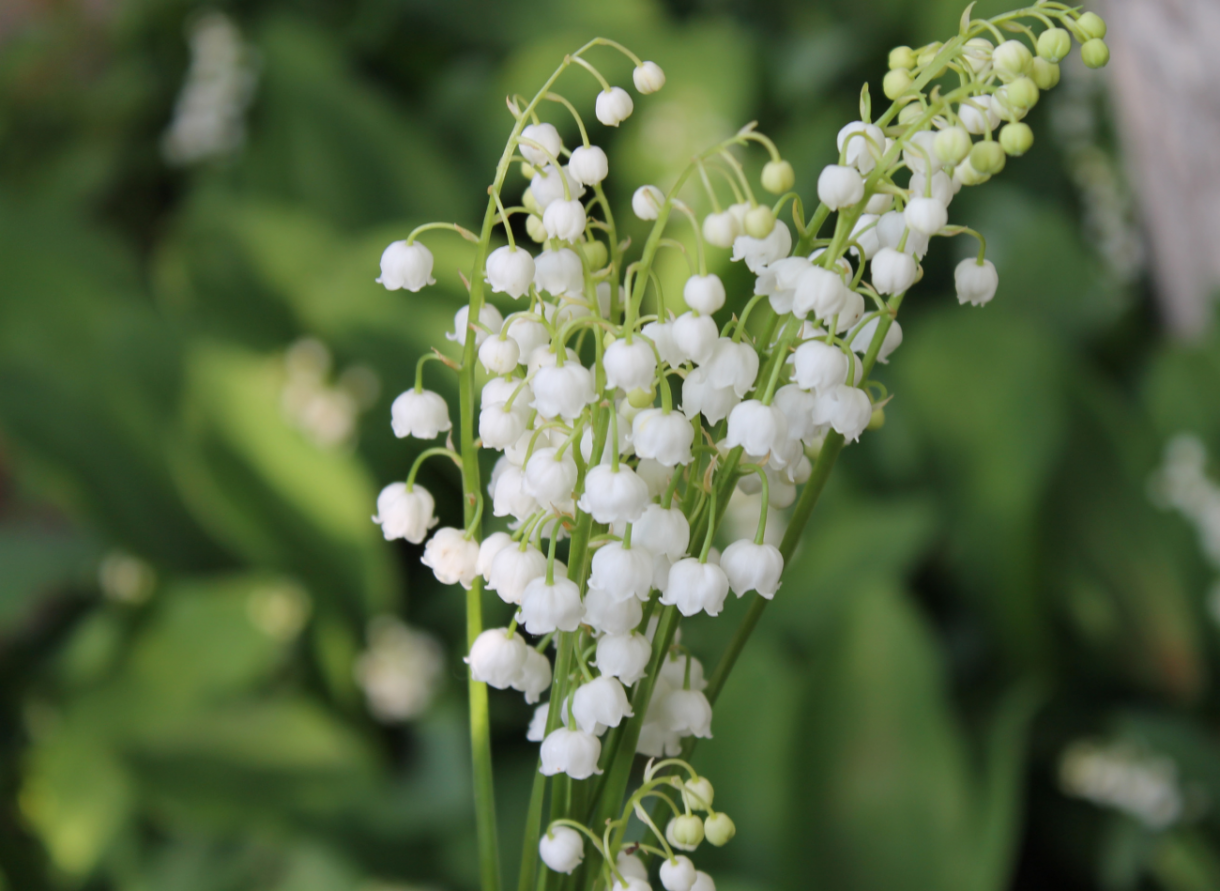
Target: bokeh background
{"type": "Point", "coordinates": [992, 665]}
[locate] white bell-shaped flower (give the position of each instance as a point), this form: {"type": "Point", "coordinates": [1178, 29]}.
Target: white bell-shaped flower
{"type": "Point", "coordinates": [622, 572]}
{"type": "Point", "coordinates": [942, 186]}
{"type": "Point", "coordinates": [535, 677]}
{"type": "Point", "coordinates": [819, 291]}
{"type": "Point", "coordinates": [510, 497]}
{"type": "Point", "coordinates": [920, 151]}
{"type": "Point", "coordinates": [550, 477]}
{"type": "Point", "coordinates": [600, 701]}
{"type": "Point", "coordinates": [687, 712]}
{"type": "Point", "coordinates": [777, 282]}
{"type": "Point", "coordinates": [496, 658]}
{"type": "Point", "coordinates": [666, 438]}
{"type": "Point", "coordinates": [630, 866]}
{"type": "Point", "coordinates": [864, 338]}
{"type": "Point", "coordinates": [698, 395]}
{"type": "Point", "coordinates": [852, 312]}
{"type": "Point", "coordinates": [703, 882]}
{"type": "Point", "coordinates": [630, 366]}
{"type": "Point", "coordinates": [721, 229]}
{"type": "Point", "coordinates": [422, 414]}
{"type": "Point", "coordinates": [624, 656]}
{"type": "Point", "coordinates": [657, 742]}
{"type": "Point", "coordinates": [674, 672]}
{"type": "Point", "coordinates": [565, 220]}
{"type": "Point", "coordinates": [890, 231]}
{"type": "Point", "coordinates": [558, 272]}
{"type": "Point", "coordinates": [865, 144]}
{"type": "Point", "coordinates": [512, 569]}
{"type": "Point", "coordinates": [529, 334]}
{"type": "Point", "coordinates": [864, 233]}
{"type": "Point", "coordinates": [666, 531]}
{"type": "Point", "coordinates": [797, 406]}
{"type": "Point", "coordinates": [573, 752]}
{"type": "Point", "coordinates": [732, 365]}
{"type": "Point", "coordinates": [704, 293]}
{"type": "Point", "coordinates": [547, 186]}
{"type": "Point", "coordinates": [561, 849]}
{"type": "Point", "coordinates": [500, 427]}
{"type": "Point", "coordinates": [677, 874]}
{"type": "Point", "coordinates": [406, 266]}
{"type": "Point", "coordinates": [846, 409]}
{"type": "Point", "coordinates": [662, 336]}
{"type": "Point", "coordinates": [588, 165]}
{"type": "Point", "coordinates": [755, 427]}
{"type": "Point", "coordinates": [648, 77]}
{"type": "Point", "coordinates": [752, 567]}
{"type": "Point", "coordinates": [489, 318]}
{"type": "Point", "coordinates": [605, 613]}
{"type": "Point", "coordinates": [499, 355]}
{"type": "Point", "coordinates": [624, 441]}
{"type": "Point", "coordinates": [647, 201]}
{"type": "Point", "coordinates": [546, 608]}
{"type": "Point", "coordinates": [892, 272]}
{"type": "Point", "coordinates": [510, 270]}
{"type": "Point", "coordinates": [562, 390]}
{"type": "Point", "coordinates": [978, 115]}
{"type": "Point", "coordinates": [405, 513]}
{"type": "Point", "coordinates": [545, 357]}
{"type": "Point", "coordinates": [613, 106]}
{"type": "Point", "coordinates": [694, 336]}
{"type": "Point", "coordinates": [840, 187]}
{"type": "Point", "coordinates": [976, 284]}
{"type": "Point", "coordinates": [760, 252]}
{"type": "Point", "coordinates": [488, 549]}
{"type": "Point", "coordinates": [536, 732]}
{"type": "Point", "coordinates": [452, 557]}
{"type": "Point", "coordinates": [695, 586]}
{"type": "Point", "coordinates": [614, 496]}
{"type": "Point", "coordinates": [547, 137]}
{"type": "Point", "coordinates": [926, 215]}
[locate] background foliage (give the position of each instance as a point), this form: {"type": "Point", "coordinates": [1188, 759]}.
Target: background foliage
{"type": "Point", "coordinates": [188, 567]}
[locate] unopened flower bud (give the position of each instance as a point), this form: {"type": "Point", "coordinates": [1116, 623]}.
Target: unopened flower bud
{"type": "Point", "coordinates": [1016, 139]}
{"type": "Point", "coordinates": [595, 253]}
{"type": "Point", "coordinates": [646, 202]}
{"type": "Point", "coordinates": [1045, 74]}
{"type": "Point", "coordinates": [926, 215]}
{"type": "Point", "coordinates": [902, 57]}
{"type": "Point", "coordinates": [677, 874]}
{"type": "Point", "coordinates": [952, 145]}
{"type": "Point", "coordinates": [965, 174]}
{"type": "Point", "coordinates": [778, 177]}
{"type": "Point", "coordinates": [565, 220]}
{"type": "Point", "coordinates": [546, 136]}
{"type": "Point", "coordinates": [719, 829]}
{"type": "Point", "coordinates": [496, 658]}
{"type": "Point", "coordinates": [977, 54]}
{"type": "Point", "coordinates": [928, 53]}
{"type": "Point", "coordinates": [705, 293]}
{"type": "Point", "coordinates": [698, 794]}
{"type": "Point", "coordinates": [534, 227]}
{"type": "Point", "coordinates": [510, 270]}
{"type": "Point", "coordinates": [839, 187]}
{"type": "Point", "coordinates": [720, 229]}
{"type": "Point", "coordinates": [685, 832]}
{"type": "Point", "coordinates": [909, 112]}
{"type": "Point", "coordinates": [896, 83]}
{"type": "Point", "coordinates": [640, 398]}
{"type": "Point", "coordinates": [562, 849]}
{"type": "Point", "coordinates": [759, 221]}
{"type": "Point", "coordinates": [528, 170]}
{"type": "Point", "coordinates": [1093, 25]}
{"type": "Point", "coordinates": [588, 165]}
{"type": "Point", "coordinates": [877, 420]}
{"type": "Point", "coordinates": [1095, 53]}
{"type": "Point", "coordinates": [613, 106]}
{"type": "Point", "coordinates": [1022, 93]}
{"type": "Point", "coordinates": [1054, 44]}
{"type": "Point", "coordinates": [648, 77]}
{"type": "Point", "coordinates": [987, 157]}
{"type": "Point", "coordinates": [1011, 58]}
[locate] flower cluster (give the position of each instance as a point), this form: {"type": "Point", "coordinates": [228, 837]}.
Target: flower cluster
{"type": "Point", "coordinates": [623, 426]}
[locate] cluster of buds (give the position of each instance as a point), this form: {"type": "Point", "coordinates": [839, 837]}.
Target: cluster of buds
{"type": "Point", "coordinates": [624, 426]}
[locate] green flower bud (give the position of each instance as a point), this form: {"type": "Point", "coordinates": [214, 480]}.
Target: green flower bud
{"type": "Point", "coordinates": [928, 53]}
{"type": "Point", "coordinates": [642, 398]}
{"type": "Point", "coordinates": [987, 157]}
{"type": "Point", "coordinates": [719, 828]}
{"type": "Point", "coordinates": [902, 57]}
{"type": "Point", "coordinates": [1011, 58]}
{"type": "Point", "coordinates": [1045, 74]}
{"type": "Point", "coordinates": [968, 176]}
{"type": "Point", "coordinates": [1022, 93]}
{"type": "Point", "coordinates": [777, 177]}
{"type": "Point", "coordinates": [952, 145]}
{"type": "Point", "coordinates": [1016, 139]}
{"type": "Point", "coordinates": [685, 832]}
{"type": "Point", "coordinates": [909, 112]}
{"type": "Point", "coordinates": [533, 226]}
{"type": "Point", "coordinates": [875, 422]}
{"type": "Point", "coordinates": [527, 170]}
{"type": "Point", "coordinates": [1095, 53]}
{"type": "Point", "coordinates": [530, 202]}
{"type": "Point", "coordinates": [759, 221]}
{"type": "Point", "coordinates": [595, 253]}
{"type": "Point", "coordinates": [701, 794]}
{"type": "Point", "coordinates": [1093, 25]}
{"type": "Point", "coordinates": [896, 83]}
{"type": "Point", "coordinates": [1054, 44]}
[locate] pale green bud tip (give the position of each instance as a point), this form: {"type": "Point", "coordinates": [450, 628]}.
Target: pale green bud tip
{"type": "Point", "coordinates": [877, 419]}
{"type": "Point", "coordinates": [1095, 53]}
{"type": "Point", "coordinates": [535, 229]}
{"type": "Point", "coordinates": [1054, 44]}
{"type": "Point", "coordinates": [902, 57]}
{"type": "Point", "coordinates": [1016, 139]}
{"type": "Point", "coordinates": [909, 112]}
{"type": "Point", "coordinates": [987, 157]}
{"type": "Point", "coordinates": [685, 832]}
{"type": "Point", "coordinates": [701, 794]}
{"type": "Point", "coordinates": [719, 829]}
{"type": "Point", "coordinates": [928, 53]}
{"type": "Point", "coordinates": [1092, 25]}
{"type": "Point", "coordinates": [1022, 93]}
{"type": "Point", "coordinates": [952, 145]}
{"type": "Point", "coordinates": [759, 221]}
{"type": "Point", "coordinates": [595, 252]}
{"type": "Point", "coordinates": [641, 398]}
{"type": "Point", "coordinates": [778, 177]}
{"type": "Point", "coordinates": [527, 170]}
{"type": "Point", "coordinates": [1045, 74]}
{"type": "Point", "coordinates": [896, 83]}
{"type": "Point", "coordinates": [1011, 58]}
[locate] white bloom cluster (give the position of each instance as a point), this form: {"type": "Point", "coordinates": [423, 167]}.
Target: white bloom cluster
{"type": "Point", "coordinates": [400, 671]}
{"type": "Point", "coordinates": [1122, 777]}
{"type": "Point", "coordinates": [597, 448]}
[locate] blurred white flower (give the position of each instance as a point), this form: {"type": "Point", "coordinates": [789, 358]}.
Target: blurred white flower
{"type": "Point", "coordinates": [400, 671]}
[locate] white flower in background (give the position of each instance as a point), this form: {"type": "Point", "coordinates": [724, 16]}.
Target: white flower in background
{"type": "Point", "coordinates": [864, 338]}
{"type": "Point", "coordinates": [609, 614]}
{"type": "Point", "coordinates": [549, 144]}
{"type": "Point", "coordinates": [565, 220]}
{"type": "Point", "coordinates": [600, 701]}
{"type": "Point", "coordinates": [758, 253]}
{"type": "Point", "coordinates": [648, 77]}
{"type": "Point", "coordinates": [721, 229]}
{"type": "Point", "coordinates": [647, 201]}
{"type": "Point", "coordinates": [614, 106]}
{"type": "Point", "coordinates": [1140, 784]}
{"type": "Point", "coordinates": [562, 390]}
{"type": "Point", "coordinates": [405, 513]}
{"type": "Point", "coordinates": [325, 412]}
{"type": "Point", "coordinates": [406, 266]}
{"type": "Point", "coordinates": [400, 671]}
{"type": "Point", "coordinates": [452, 557]}
{"type": "Point", "coordinates": [535, 676]}
{"type": "Point", "coordinates": [573, 752]}
{"type": "Point", "coordinates": [688, 713]}
{"type": "Point", "coordinates": [847, 409]}
{"type": "Point", "coordinates": [694, 337]}
{"type": "Point", "coordinates": [490, 321]}
{"type": "Point", "coordinates": [422, 414]}
{"type": "Point", "coordinates": [558, 272]}
{"type": "Point", "coordinates": [512, 569]}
